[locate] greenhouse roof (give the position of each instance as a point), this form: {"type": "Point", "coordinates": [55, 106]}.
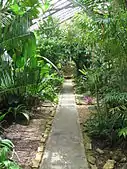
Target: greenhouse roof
{"type": "Point", "coordinates": [63, 10]}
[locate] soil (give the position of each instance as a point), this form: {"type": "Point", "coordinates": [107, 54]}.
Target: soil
{"type": "Point", "coordinates": [115, 153]}
{"type": "Point", "coordinates": [84, 113]}
{"type": "Point", "coordinates": [27, 138]}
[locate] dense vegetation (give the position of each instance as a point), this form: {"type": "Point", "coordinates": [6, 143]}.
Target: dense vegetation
{"type": "Point", "coordinates": [31, 63]}
{"type": "Point", "coordinates": [102, 34]}
{"type": "Point", "coordinates": [26, 76]}
{"type": "Point", "coordinates": [96, 41]}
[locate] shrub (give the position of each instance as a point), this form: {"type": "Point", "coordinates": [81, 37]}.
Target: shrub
{"type": "Point", "coordinates": [107, 125]}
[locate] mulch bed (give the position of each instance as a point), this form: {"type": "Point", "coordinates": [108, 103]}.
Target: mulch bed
{"type": "Point", "coordinates": [27, 138]}
{"type": "Point", "coordinates": [115, 153]}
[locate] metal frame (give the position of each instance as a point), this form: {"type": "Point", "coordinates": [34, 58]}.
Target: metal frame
{"type": "Point", "coordinates": [62, 9]}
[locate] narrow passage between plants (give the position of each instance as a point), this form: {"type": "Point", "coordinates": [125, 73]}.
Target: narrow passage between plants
{"type": "Point", "coordinates": [64, 147]}
{"type": "Point", "coordinates": [43, 42]}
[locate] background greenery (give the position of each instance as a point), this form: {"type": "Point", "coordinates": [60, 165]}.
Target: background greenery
{"type": "Point", "coordinates": [31, 63]}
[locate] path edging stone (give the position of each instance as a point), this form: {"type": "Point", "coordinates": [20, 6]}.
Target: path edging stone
{"type": "Point", "coordinates": [35, 164]}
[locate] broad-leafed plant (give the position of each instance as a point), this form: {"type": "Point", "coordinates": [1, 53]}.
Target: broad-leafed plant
{"type": "Point", "coordinates": [6, 150]}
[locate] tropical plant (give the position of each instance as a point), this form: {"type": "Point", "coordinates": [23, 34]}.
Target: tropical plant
{"type": "Point", "coordinates": [6, 150]}
{"type": "Point", "coordinates": [108, 126]}
{"type": "Point", "coordinates": [23, 74]}
{"type": "Point", "coordinates": [101, 31]}
{"type": "Point", "coordinates": [50, 41]}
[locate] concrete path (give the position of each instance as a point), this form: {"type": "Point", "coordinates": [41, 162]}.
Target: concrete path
{"type": "Point", "coordinates": [64, 148]}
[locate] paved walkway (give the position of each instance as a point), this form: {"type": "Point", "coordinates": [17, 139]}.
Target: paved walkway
{"type": "Point", "coordinates": [64, 148]}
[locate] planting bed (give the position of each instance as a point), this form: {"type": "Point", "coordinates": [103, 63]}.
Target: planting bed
{"type": "Point", "coordinates": [98, 154]}
{"type": "Point", "coordinates": [30, 140]}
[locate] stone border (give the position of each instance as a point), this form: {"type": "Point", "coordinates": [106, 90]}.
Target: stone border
{"type": "Point", "coordinates": [35, 164]}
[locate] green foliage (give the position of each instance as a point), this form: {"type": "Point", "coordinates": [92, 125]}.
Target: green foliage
{"type": "Point", "coordinates": [116, 98]}
{"type": "Point", "coordinates": [81, 86]}
{"type": "Point", "coordinates": [123, 132]}
{"type": "Point", "coordinates": [50, 41]}
{"type": "Point", "coordinates": [6, 148]}
{"type": "Point", "coordinates": [19, 113]}
{"type": "Point", "coordinates": [101, 31]}
{"type": "Point", "coordinates": [25, 76]}
{"type": "Point", "coordinates": [108, 126]}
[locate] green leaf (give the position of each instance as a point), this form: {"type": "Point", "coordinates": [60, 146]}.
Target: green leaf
{"type": "Point", "coordinates": [10, 165]}
{"type": "Point", "coordinates": [25, 114]}
{"type": "Point", "coordinates": [2, 116]}
{"type": "Point", "coordinates": [8, 143]}
{"type": "Point", "coordinates": [16, 9]}
{"type": "Point", "coordinates": [123, 132]}
{"type": "Point", "coordinates": [46, 5]}
{"type": "Point", "coordinates": [3, 153]}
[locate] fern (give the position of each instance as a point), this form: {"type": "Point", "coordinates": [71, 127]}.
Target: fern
{"type": "Point", "coordinates": [123, 132]}
{"type": "Point", "coordinates": [116, 97]}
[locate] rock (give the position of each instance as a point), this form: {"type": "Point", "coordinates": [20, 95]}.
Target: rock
{"type": "Point", "coordinates": [35, 164]}
{"type": "Point", "coordinates": [43, 140]}
{"type": "Point", "coordinates": [91, 159]}
{"type": "Point", "coordinates": [48, 126]}
{"type": "Point", "coordinates": [118, 156]}
{"type": "Point", "coordinates": [42, 134]}
{"type": "Point", "coordinates": [125, 166]}
{"type": "Point", "coordinates": [78, 102]}
{"type": "Point", "coordinates": [49, 118]}
{"type": "Point", "coordinates": [46, 135]}
{"type": "Point", "coordinates": [40, 149]}
{"type": "Point", "coordinates": [110, 164]}
{"type": "Point", "coordinates": [111, 153]}
{"type": "Point", "coordinates": [86, 138]}
{"type": "Point", "coordinates": [88, 146]}
{"type": "Point", "coordinates": [123, 160]}
{"type": "Point", "coordinates": [38, 156]}
{"type": "Point", "coordinates": [100, 163]}
{"type": "Point", "coordinates": [93, 167]}
{"type": "Point", "coordinates": [99, 151]}
{"type": "Point", "coordinates": [47, 104]}
{"type": "Point", "coordinates": [52, 114]}
{"type": "Point", "coordinates": [47, 130]}
{"type": "Point", "coordinates": [49, 123]}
